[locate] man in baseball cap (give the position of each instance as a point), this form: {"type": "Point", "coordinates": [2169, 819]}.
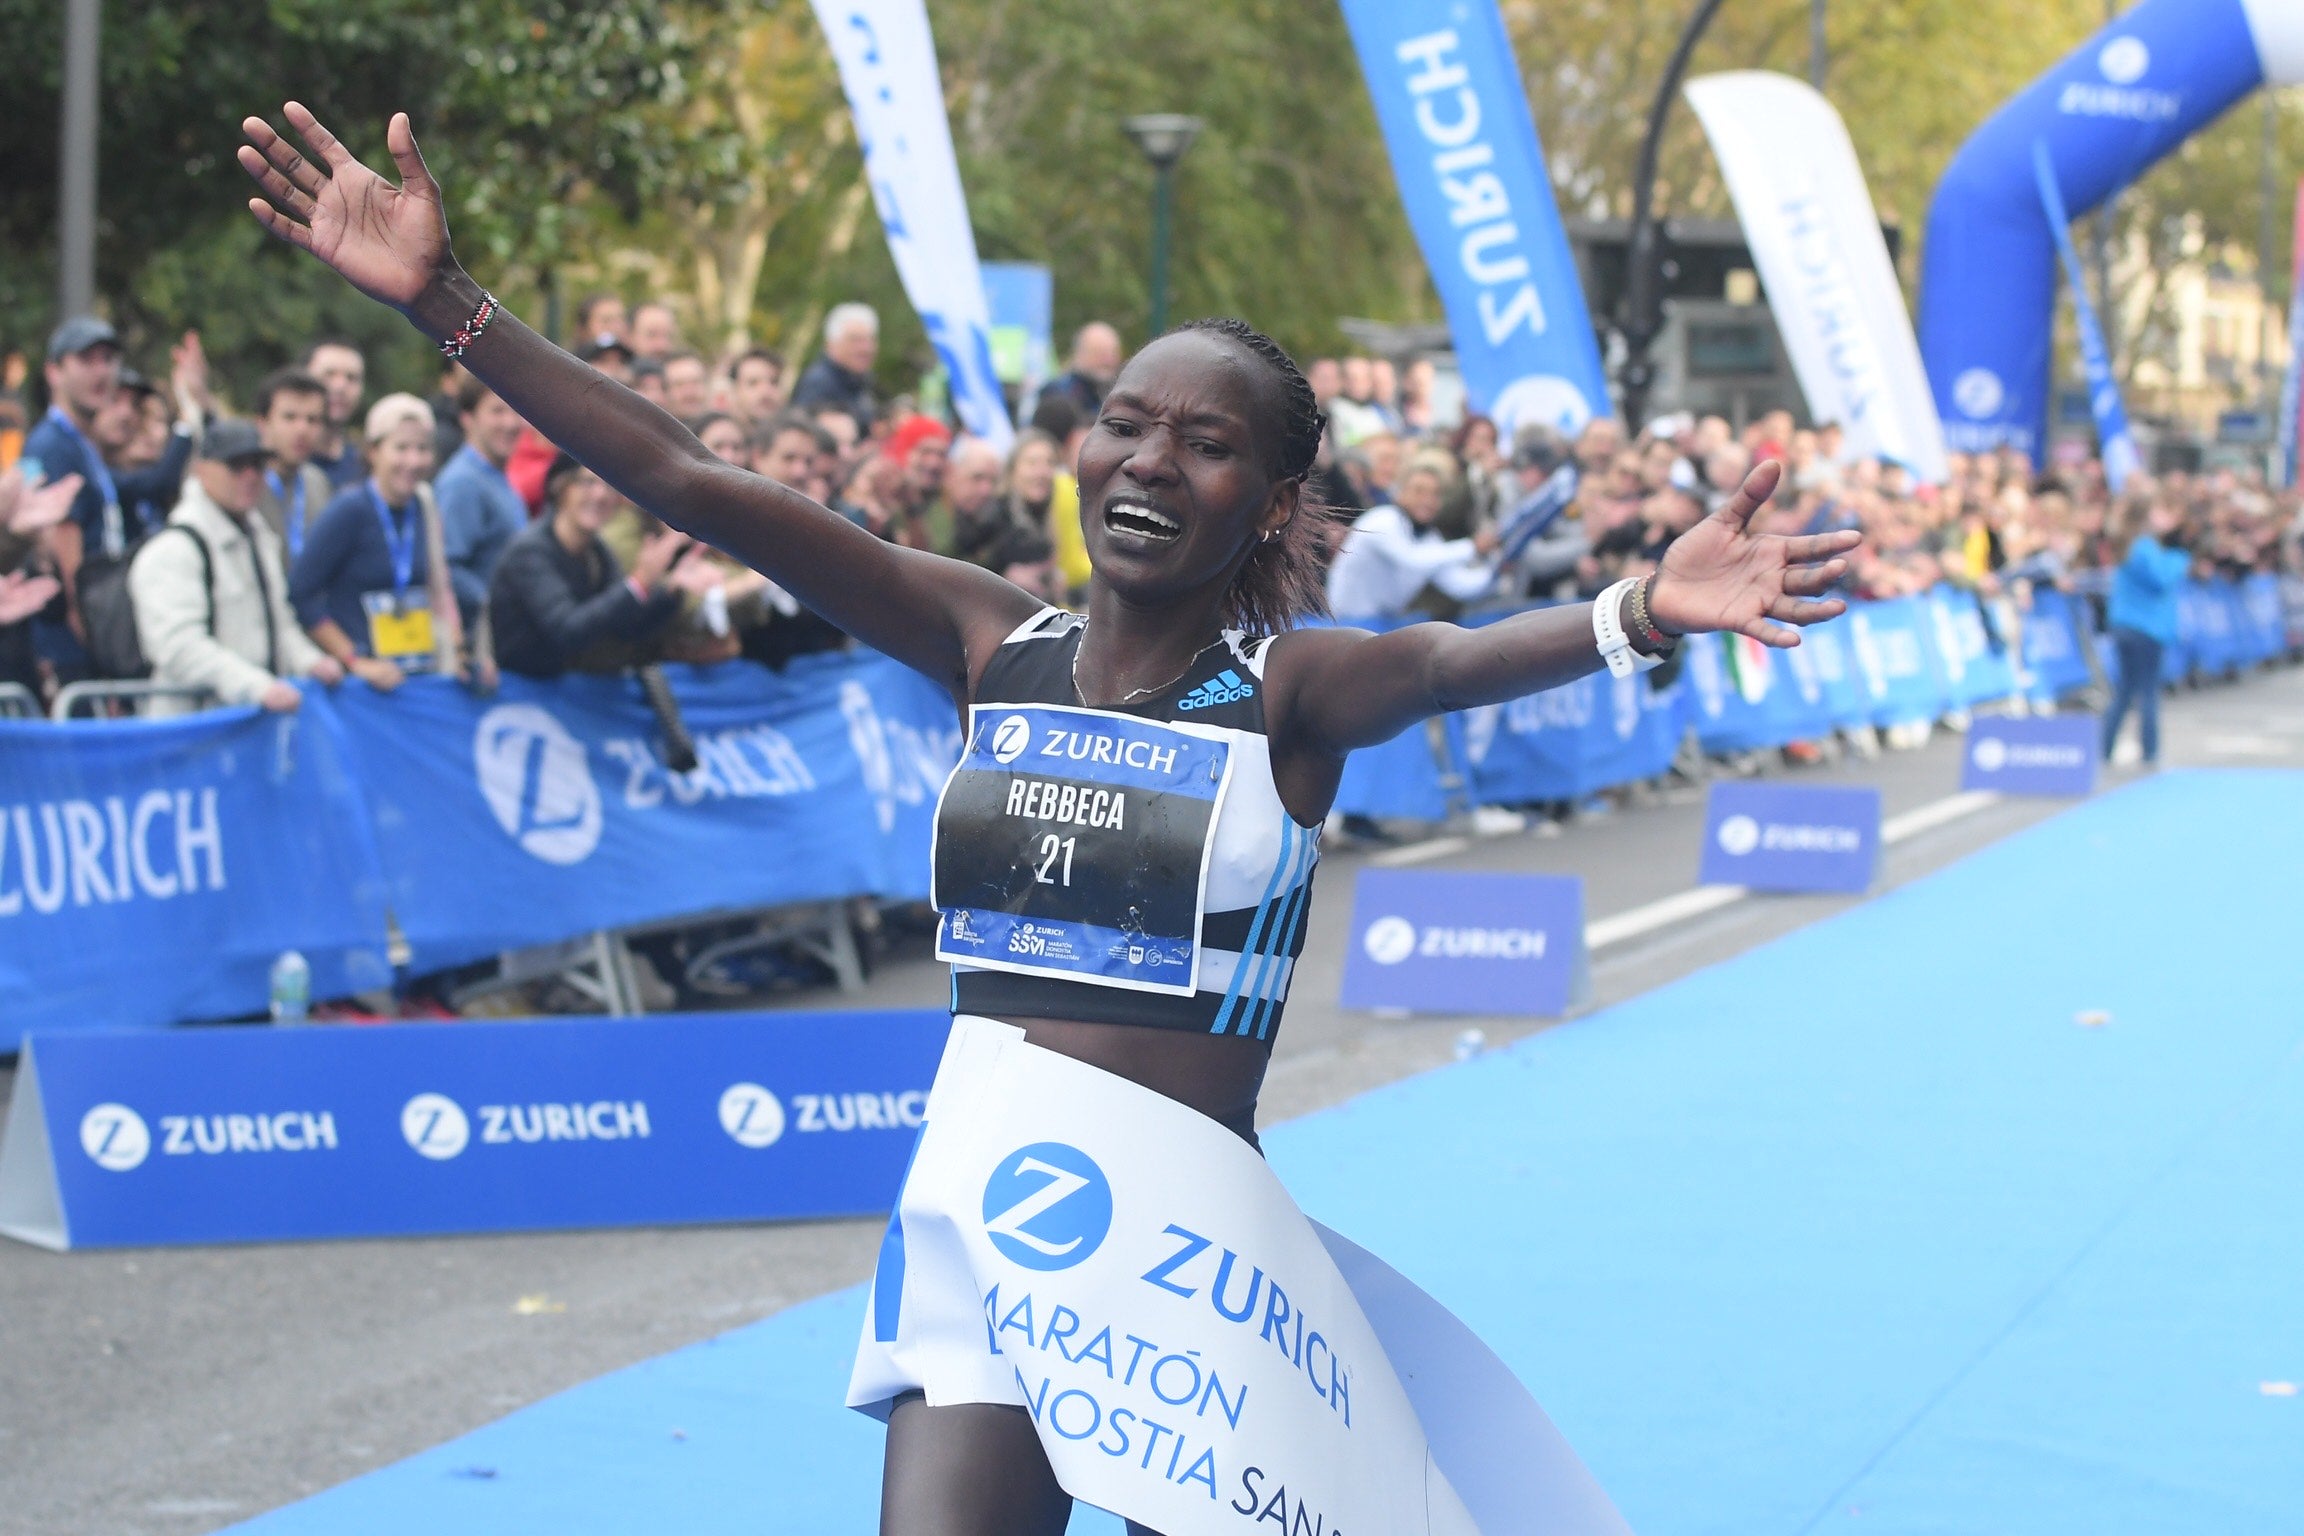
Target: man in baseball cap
{"type": "Point", "coordinates": [211, 589]}
{"type": "Point", "coordinates": [82, 334]}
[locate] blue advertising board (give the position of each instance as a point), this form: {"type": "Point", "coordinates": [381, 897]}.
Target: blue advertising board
{"type": "Point", "coordinates": [1427, 941]}
{"type": "Point", "coordinates": [1791, 837]}
{"type": "Point", "coordinates": [261, 1135]}
{"type": "Point", "coordinates": [2052, 755]}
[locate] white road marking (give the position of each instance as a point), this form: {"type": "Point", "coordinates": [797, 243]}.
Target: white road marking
{"type": "Point", "coordinates": [1417, 853]}
{"type": "Point", "coordinates": [1934, 814]}
{"type": "Point", "coordinates": [1659, 914]}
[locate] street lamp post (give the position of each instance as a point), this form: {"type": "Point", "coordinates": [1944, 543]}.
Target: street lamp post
{"type": "Point", "coordinates": [1643, 312]}
{"type": "Point", "coordinates": [76, 171]}
{"type": "Point", "coordinates": [1163, 137]}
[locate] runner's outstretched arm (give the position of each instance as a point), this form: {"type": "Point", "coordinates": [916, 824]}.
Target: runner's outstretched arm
{"type": "Point", "coordinates": [391, 243]}
{"type": "Point", "coordinates": [1349, 688]}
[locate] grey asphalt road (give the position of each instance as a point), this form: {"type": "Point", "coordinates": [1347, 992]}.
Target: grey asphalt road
{"type": "Point", "coordinates": [173, 1392]}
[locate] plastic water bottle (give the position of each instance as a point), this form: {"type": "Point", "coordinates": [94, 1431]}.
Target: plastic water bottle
{"type": "Point", "coordinates": [291, 989]}
{"type": "Point", "coordinates": [1470, 1044]}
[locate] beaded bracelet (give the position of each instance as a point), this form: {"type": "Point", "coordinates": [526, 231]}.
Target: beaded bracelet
{"type": "Point", "coordinates": [457, 345]}
{"type": "Point", "coordinates": [1651, 635]}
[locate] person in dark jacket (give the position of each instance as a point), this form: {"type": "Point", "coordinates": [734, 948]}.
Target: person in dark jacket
{"type": "Point", "coordinates": [842, 375]}
{"type": "Point", "coordinates": [559, 600]}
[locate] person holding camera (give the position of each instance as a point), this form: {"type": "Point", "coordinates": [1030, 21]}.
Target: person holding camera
{"type": "Point", "coordinates": [560, 602]}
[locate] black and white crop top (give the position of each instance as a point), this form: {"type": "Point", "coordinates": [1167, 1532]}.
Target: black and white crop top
{"type": "Point", "coordinates": [1131, 865]}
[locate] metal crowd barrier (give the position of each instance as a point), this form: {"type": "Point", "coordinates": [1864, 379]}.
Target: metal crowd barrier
{"type": "Point", "coordinates": [599, 967]}
{"type": "Point", "coordinates": [74, 695]}
{"type": "Point", "coordinates": [18, 702]}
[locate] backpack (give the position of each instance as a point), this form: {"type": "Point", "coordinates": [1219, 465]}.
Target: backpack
{"type": "Point", "coordinates": [108, 609]}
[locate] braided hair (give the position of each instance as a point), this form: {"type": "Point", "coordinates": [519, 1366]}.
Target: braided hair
{"type": "Point", "coordinates": [1283, 582]}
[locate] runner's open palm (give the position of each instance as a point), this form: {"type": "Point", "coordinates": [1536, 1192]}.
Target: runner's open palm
{"type": "Point", "coordinates": [387, 241]}
{"type": "Point", "coordinates": [1721, 575]}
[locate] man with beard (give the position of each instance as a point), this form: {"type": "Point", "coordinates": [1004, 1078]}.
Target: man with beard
{"type": "Point", "coordinates": [291, 413]}
{"type": "Point", "coordinates": [91, 549]}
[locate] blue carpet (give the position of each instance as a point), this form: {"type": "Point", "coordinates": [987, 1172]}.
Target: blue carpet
{"type": "Point", "coordinates": [1860, 1231]}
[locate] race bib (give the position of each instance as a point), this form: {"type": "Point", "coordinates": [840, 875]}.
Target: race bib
{"type": "Point", "coordinates": [1074, 843]}
{"type": "Point", "coordinates": [399, 627]}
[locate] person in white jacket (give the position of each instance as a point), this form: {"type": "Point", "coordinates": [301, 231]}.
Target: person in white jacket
{"type": "Point", "coordinates": [211, 589]}
{"type": "Point", "coordinates": [1393, 552]}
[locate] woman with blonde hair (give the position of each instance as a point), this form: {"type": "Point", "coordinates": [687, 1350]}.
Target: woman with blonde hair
{"type": "Point", "coordinates": [371, 585]}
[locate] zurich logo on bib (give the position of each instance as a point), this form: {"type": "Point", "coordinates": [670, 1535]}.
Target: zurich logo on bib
{"type": "Point", "coordinates": [1009, 739]}
{"type": "Point", "coordinates": [1047, 1206]}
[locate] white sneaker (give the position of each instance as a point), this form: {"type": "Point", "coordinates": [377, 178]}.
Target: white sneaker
{"type": "Point", "coordinates": [1497, 821]}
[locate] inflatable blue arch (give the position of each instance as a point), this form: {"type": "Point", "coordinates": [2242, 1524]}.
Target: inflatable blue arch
{"type": "Point", "coordinates": [2130, 94]}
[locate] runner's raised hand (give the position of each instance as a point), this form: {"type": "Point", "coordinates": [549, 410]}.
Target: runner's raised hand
{"type": "Point", "coordinates": [1721, 575]}
{"type": "Point", "coordinates": [389, 242]}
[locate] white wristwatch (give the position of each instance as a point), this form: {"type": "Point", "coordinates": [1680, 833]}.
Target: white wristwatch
{"type": "Point", "coordinates": [1608, 632]}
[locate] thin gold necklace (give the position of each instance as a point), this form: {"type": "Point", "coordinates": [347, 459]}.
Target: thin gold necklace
{"type": "Point", "coordinates": [1140, 693]}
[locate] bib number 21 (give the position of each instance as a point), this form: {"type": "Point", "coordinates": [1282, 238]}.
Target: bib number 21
{"type": "Point", "coordinates": [1055, 866]}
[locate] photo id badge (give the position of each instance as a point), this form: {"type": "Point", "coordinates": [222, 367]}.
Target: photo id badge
{"type": "Point", "coordinates": [400, 627]}
{"type": "Point", "coordinates": [1074, 844]}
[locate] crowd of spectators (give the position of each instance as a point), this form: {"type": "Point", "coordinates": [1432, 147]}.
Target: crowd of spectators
{"type": "Point", "coordinates": [224, 542]}
{"type": "Point", "coordinates": [326, 535]}
{"type": "Point", "coordinates": [1437, 518]}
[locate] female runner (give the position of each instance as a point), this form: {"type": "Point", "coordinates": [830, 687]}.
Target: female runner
{"type": "Point", "coordinates": [1191, 492]}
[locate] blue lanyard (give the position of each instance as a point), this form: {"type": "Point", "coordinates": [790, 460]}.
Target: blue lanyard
{"type": "Point", "coordinates": [99, 473]}
{"type": "Point", "coordinates": [295, 508]}
{"type": "Point", "coordinates": [401, 543]}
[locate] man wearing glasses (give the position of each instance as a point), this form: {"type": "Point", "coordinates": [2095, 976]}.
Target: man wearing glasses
{"type": "Point", "coordinates": [211, 590]}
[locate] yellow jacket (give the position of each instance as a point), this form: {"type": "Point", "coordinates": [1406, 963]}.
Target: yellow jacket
{"type": "Point", "coordinates": [1064, 533]}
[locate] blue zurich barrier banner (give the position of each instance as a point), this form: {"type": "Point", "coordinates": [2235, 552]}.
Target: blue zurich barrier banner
{"type": "Point", "coordinates": [547, 810]}
{"type": "Point", "coordinates": [2053, 755]}
{"type": "Point", "coordinates": [151, 871]}
{"type": "Point", "coordinates": [1972, 649]}
{"type": "Point", "coordinates": [1425, 941]}
{"type": "Point", "coordinates": [1472, 177]}
{"type": "Point", "coordinates": [1569, 742]}
{"type": "Point", "coordinates": [260, 1135]}
{"type": "Point", "coordinates": [2052, 645]}
{"type": "Point", "coordinates": [1897, 654]}
{"type": "Point", "coordinates": [1791, 837]}
{"type": "Point", "coordinates": [206, 846]}
{"type": "Point", "coordinates": [1745, 696]}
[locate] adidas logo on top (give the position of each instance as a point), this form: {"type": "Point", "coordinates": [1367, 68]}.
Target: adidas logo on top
{"type": "Point", "coordinates": [1226, 687]}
